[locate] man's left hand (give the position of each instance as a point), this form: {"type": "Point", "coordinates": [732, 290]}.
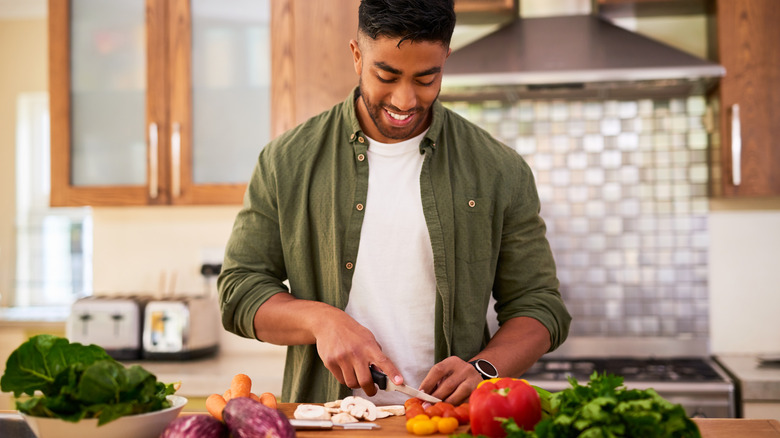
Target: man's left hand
{"type": "Point", "coordinates": [451, 380]}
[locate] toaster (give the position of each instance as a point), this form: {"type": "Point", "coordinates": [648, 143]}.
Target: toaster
{"type": "Point", "coordinates": [177, 328]}
{"type": "Point", "coordinates": [112, 322]}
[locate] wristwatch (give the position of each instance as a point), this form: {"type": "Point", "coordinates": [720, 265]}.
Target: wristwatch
{"type": "Point", "coordinates": [485, 369]}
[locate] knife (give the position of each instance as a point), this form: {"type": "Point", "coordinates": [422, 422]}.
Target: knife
{"type": "Point", "coordinates": [386, 384]}
{"type": "Point", "coordinates": [327, 424]}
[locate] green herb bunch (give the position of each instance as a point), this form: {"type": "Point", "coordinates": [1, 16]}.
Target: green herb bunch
{"type": "Point", "coordinates": [72, 381]}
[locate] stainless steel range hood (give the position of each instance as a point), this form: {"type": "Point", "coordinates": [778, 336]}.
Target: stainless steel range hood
{"type": "Point", "coordinates": [572, 56]}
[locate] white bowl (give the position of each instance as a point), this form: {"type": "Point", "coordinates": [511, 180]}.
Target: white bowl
{"type": "Point", "coordinates": [148, 425]}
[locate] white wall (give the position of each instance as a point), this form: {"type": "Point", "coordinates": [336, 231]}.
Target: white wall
{"type": "Point", "coordinates": [23, 69]}
{"type": "Point", "coordinates": [156, 250]}
{"type": "Point", "coordinates": [745, 281]}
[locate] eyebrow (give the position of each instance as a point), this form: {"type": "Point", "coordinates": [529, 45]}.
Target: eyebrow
{"type": "Point", "coordinates": [395, 71]}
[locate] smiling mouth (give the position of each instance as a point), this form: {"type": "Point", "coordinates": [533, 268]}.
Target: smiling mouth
{"type": "Point", "coordinates": [400, 117]}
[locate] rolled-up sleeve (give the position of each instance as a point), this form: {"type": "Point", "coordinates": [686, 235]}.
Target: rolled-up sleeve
{"type": "Point", "coordinates": [253, 269]}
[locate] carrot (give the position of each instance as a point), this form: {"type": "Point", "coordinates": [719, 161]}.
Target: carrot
{"type": "Point", "coordinates": [240, 386]}
{"type": "Point", "coordinates": [227, 395]}
{"type": "Point", "coordinates": [268, 399]}
{"type": "Point", "coordinates": [215, 403]}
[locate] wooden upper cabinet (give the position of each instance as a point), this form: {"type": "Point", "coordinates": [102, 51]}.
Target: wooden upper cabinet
{"type": "Point", "coordinates": [650, 8]}
{"type": "Point", "coordinates": [157, 102]}
{"type": "Point", "coordinates": [486, 11]}
{"type": "Point", "coordinates": [310, 58]}
{"type": "Point", "coordinates": [748, 46]}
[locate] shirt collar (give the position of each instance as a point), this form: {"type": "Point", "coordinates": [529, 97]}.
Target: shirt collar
{"type": "Point", "coordinates": [356, 133]}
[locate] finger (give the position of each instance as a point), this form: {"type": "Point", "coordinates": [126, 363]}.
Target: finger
{"type": "Point", "coordinates": [462, 392]}
{"type": "Point", "coordinates": [336, 371]}
{"type": "Point", "coordinates": [351, 379]}
{"type": "Point", "coordinates": [387, 366]}
{"type": "Point", "coordinates": [365, 380]}
{"type": "Point", "coordinates": [438, 373]}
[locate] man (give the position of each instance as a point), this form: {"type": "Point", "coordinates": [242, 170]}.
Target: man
{"type": "Point", "coordinates": [394, 220]}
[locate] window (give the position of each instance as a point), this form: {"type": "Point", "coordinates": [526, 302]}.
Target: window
{"type": "Point", "coordinates": [53, 245]}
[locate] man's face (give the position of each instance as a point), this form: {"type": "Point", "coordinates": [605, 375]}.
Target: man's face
{"type": "Point", "coordinates": [398, 85]}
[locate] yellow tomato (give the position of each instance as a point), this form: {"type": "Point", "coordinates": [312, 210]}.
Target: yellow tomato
{"type": "Point", "coordinates": [411, 422]}
{"type": "Point", "coordinates": [424, 427]}
{"type": "Point", "coordinates": [447, 425]}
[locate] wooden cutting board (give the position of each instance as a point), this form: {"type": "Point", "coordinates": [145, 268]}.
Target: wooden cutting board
{"type": "Point", "coordinates": [396, 427]}
{"type": "Point", "coordinates": [391, 427]}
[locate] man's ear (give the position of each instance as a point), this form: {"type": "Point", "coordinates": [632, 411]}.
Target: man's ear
{"type": "Point", "coordinates": [357, 57]}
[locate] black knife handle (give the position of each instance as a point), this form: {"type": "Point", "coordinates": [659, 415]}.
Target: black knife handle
{"type": "Point", "coordinates": [379, 377]}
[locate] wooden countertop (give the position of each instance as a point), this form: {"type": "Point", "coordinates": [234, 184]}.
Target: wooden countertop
{"type": "Point", "coordinates": [395, 427]}
{"type": "Point", "coordinates": [709, 427]}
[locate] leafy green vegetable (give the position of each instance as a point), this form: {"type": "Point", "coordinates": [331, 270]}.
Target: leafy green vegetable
{"type": "Point", "coordinates": [605, 408]}
{"type": "Point", "coordinates": [72, 381]}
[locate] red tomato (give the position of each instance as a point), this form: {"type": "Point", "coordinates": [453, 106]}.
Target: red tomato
{"type": "Point", "coordinates": [503, 398]}
{"type": "Point", "coordinates": [449, 413]}
{"type": "Point", "coordinates": [414, 410]}
{"type": "Point", "coordinates": [412, 401]}
{"type": "Point", "coordinates": [447, 409]}
{"type": "Point", "coordinates": [434, 411]}
{"type": "Point", "coordinates": [462, 413]}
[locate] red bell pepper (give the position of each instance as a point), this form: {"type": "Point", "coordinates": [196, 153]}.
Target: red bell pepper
{"type": "Point", "coordinates": [498, 399]}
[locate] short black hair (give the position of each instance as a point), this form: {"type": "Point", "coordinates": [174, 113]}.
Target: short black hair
{"type": "Point", "coordinates": [414, 20]}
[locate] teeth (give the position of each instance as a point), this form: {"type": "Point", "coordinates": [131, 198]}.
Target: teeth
{"type": "Point", "coordinates": [398, 116]}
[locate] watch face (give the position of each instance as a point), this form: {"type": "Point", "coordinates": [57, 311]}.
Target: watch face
{"type": "Point", "coordinates": [486, 368]}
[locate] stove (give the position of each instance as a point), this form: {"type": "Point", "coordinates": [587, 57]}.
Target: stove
{"type": "Point", "coordinates": [699, 384]}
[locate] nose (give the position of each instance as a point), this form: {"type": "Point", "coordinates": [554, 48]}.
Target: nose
{"type": "Point", "coordinates": [404, 97]}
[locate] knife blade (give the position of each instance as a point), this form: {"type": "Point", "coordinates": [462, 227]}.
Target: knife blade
{"type": "Point", "coordinates": [327, 425]}
{"type": "Point", "coordinates": [386, 384]}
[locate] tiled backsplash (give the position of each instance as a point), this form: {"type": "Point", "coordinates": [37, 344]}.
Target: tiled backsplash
{"type": "Point", "coordinates": [623, 186]}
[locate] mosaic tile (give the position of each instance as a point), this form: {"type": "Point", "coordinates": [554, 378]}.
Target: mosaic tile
{"type": "Point", "coordinates": [624, 187]}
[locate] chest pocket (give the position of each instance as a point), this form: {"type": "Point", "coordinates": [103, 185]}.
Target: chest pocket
{"type": "Point", "coordinates": [473, 228]}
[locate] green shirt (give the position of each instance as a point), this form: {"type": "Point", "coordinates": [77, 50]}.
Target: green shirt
{"type": "Point", "coordinates": [301, 221]}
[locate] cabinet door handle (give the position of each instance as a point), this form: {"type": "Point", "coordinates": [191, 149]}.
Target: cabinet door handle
{"type": "Point", "coordinates": [736, 146]}
{"type": "Point", "coordinates": [176, 160]}
{"type": "Point", "coordinates": [153, 163]}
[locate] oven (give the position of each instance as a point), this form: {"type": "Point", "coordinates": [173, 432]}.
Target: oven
{"type": "Point", "coordinates": [695, 381]}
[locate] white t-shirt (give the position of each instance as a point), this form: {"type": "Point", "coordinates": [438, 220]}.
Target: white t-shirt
{"type": "Point", "coordinates": [393, 287]}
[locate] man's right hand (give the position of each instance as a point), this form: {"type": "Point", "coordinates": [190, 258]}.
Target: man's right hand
{"type": "Point", "coordinates": [346, 348]}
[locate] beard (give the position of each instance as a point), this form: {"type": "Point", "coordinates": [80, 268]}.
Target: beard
{"type": "Point", "coordinates": [376, 111]}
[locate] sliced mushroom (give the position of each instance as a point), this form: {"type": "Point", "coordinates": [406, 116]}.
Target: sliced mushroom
{"type": "Point", "coordinates": [311, 412]}
{"type": "Point", "coordinates": [383, 414]}
{"type": "Point", "coordinates": [343, 418]}
{"type": "Point", "coordinates": [390, 410]}
{"type": "Point", "coordinates": [333, 404]}
{"type": "Point", "coordinates": [359, 407]}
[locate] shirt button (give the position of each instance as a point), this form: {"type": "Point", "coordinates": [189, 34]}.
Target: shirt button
{"type": "Point", "coordinates": [361, 139]}
{"type": "Point", "coordinates": [352, 137]}
{"type": "Point", "coordinates": [350, 265]}
{"type": "Point", "coordinates": [359, 207]}
{"type": "Point", "coordinates": [472, 203]}
{"type": "Point", "coordinates": [361, 157]}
